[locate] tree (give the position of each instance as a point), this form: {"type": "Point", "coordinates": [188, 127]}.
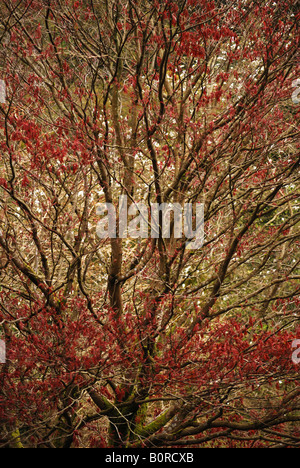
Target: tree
{"type": "Point", "coordinates": [143, 342]}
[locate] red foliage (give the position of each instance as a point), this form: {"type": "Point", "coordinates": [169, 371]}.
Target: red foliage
{"type": "Point", "coordinates": [141, 342]}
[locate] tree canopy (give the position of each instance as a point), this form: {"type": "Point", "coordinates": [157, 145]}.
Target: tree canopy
{"type": "Point", "coordinates": [142, 342]}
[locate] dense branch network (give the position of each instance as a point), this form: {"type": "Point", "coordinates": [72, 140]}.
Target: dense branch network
{"type": "Point", "coordinates": [127, 342]}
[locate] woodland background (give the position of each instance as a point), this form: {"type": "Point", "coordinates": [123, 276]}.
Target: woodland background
{"type": "Point", "coordinates": [141, 342]}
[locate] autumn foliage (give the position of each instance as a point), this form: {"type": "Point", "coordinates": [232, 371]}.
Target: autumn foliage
{"type": "Point", "coordinates": [143, 342]}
